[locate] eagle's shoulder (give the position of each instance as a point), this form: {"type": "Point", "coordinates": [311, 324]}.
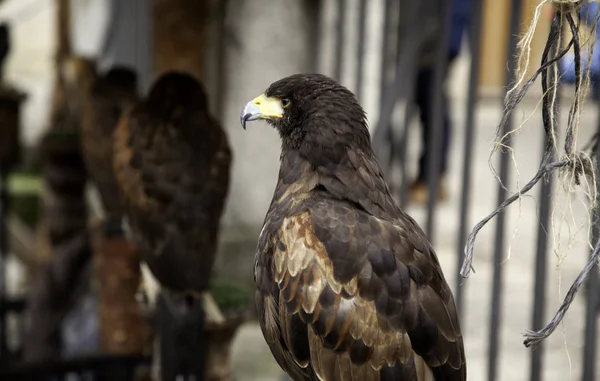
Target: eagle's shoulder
{"type": "Point", "coordinates": [372, 290]}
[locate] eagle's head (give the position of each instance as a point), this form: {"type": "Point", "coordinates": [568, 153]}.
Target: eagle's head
{"type": "Point", "coordinates": [121, 76]}
{"type": "Point", "coordinates": [310, 111]}
{"type": "Point", "coordinates": [118, 83]}
{"type": "Point", "coordinates": [177, 95]}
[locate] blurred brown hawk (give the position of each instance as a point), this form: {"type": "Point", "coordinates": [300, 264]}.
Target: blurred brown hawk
{"type": "Point", "coordinates": [172, 161]}
{"type": "Point", "coordinates": [110, 96]}
{"type": "Point", "coordinates": [348, 286]}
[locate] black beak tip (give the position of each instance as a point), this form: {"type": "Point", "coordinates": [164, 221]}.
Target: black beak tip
{"type": "Point", "coordinates": [243, 119]}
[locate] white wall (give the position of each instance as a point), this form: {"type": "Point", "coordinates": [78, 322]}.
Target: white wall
{"type": "Point", "coordinates": [89, 22]}
{"type": "Point", "coordinates": [30, 65]}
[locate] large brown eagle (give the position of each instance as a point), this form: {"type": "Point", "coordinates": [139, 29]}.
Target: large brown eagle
{"type": "Point", "coordinates": [110, 96]}
{"type": "Point", "coordinates": [348, 286]}
{"type": "Point", "coordinates": [172, 161]}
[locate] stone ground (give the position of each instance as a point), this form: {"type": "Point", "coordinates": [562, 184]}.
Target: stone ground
{"type": "Point", "coordinates": [563, 351]}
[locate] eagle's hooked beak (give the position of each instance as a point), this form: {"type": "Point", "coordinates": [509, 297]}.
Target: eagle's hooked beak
{"type": "Point", "coordinates": [261, 107]}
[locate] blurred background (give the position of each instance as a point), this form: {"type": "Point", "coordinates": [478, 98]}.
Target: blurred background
{"type": "Point", "coordinates": [431, 76]}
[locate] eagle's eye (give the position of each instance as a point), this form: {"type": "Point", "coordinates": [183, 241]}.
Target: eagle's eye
{"type": "Point", "coordinates": [285, 102]}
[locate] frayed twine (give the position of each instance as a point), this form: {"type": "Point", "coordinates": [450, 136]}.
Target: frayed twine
{"type": "Point", "coordinates": [534, 338]}
{"type": "Point", "coordinates": [577, 163]}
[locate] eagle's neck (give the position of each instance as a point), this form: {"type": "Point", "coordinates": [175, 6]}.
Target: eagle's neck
{"type": "Point", "coordinates": [297, 177]}
{"type": "Point", "coordinates": [354, 177]}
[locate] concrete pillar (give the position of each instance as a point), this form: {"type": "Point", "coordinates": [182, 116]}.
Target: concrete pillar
{"type": "Point", "coordinates": [265, 41]}
{"type": "Point", "coordinates": [129, 39]}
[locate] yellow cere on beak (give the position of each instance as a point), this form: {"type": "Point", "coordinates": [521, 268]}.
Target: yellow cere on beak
{"type": "Point", "coordinates": [261, 107]}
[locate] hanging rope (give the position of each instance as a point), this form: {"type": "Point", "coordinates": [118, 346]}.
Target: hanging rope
{"type": "Point", "coordinates": [575, 164]}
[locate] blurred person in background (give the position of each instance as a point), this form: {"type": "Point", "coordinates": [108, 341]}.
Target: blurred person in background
{"type": "Point", "coordinates": [461, 17]}
{"type": "Point", "coordinates": [588, 13]}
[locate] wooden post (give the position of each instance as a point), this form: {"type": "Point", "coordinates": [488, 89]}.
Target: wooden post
{"type": "Point", "coordinates": [63, 228]}
{"type": "Point", "coordinates": [63, 50]}
{"type": "Point", "coordinates": [122, 329]}
{"type": "Point", "coordinates": [179, 33]}
{"type": "Point", "coordinates": [65, 214]}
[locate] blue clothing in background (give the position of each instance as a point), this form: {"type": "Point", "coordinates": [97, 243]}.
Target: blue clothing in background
{"type": "Point", "coordinates": [461, 17]}
{"type": "Point", "coordinates": [588, 14]}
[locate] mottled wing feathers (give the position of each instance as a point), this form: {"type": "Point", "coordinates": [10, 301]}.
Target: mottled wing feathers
{"type": "Point", "coordinates": [376, 302]}
{"type": "Point", "coordinates": [174, 179]}
{"type": "Point", "coordinates": [173, 170]}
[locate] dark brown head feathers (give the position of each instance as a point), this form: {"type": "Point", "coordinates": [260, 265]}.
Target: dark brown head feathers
{"type": "Point", "coordinates": [121, 77]}
{"type": "Point", "coordinates": [177, 88]}
{"type": "Point", "coordinates": [321, 113]}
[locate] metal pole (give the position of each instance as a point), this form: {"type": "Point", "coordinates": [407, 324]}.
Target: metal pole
{"type": "Point", "coordinates": [499, 241]}
{"type": "Point", "coordinates": [436, 127]}
{"type": "Point", "coordinates": [380, 133]}
{"type": "Point", "coordinates": [340, 39]}
{"type": "Point", "coordinates": [475, 47]}
{"type": "Point", "coordinates": [3, 257]}
{"type": "Point", "coordinates": [316, 8]}
{"type": "Point", "coordinates": [541, 264]}
{"type": "Point", "coordinates": [360, 51]}
{"type": "Point", "coordinates": [402, 145]}
{"type": "Point", "coordinates": [404, 66]}
{"type": "Point", "coordinates": [591, 307]}
{"type": "Point", "coordinates": [541, 260]}
{"type": "Point", "coordinates": [386, 61]}
{"type": "Point", "coordinates": [411, 45]}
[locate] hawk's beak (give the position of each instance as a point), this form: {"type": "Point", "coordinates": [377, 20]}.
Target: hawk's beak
{"type": "Point", "coordinates": [261, 107]}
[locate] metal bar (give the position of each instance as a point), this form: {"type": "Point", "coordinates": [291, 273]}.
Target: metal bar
{"type": "Point", "coordinates": [593, 283]}
{"type": "Point", "coordinates": [386, 62]}
{"type": "Point", "coordinates": [470, 131]}
{"type": "Point", "coordinates": [499, 241]}
{"type": "Point", "coordinates": [541, 260]}
{"type": "Point", "coordinates": [403, 144]}
{"type": "Point", "coordinates": [360, 51]}
{"type": "Point", "coordinates": [405, 62]}
{"type": "Point", "coordinates": [317, 9]}
{"type": "Point", "coordinates": [46, 369]}
{"type": "Point", "coordinates": [340, 39]}
{"type": "Point", "coordinates": [541, 265]}
{"type": "Point", "coordinates": [395, 153]}
{"type": "Point", "coordinates": [437, 106]}
{"type": "Point", "coordinates": [410, 75]}
{"type": "Point", "coordinates": [3, 257]}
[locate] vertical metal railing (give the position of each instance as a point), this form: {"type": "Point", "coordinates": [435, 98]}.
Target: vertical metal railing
{"type": "Point", "coordinates": [545, 208]}
{"type": "Point", "coordinates": [475, 49]}
{"type": "Point", "coordinates": [500, 239]}
{"type": "Point", "coordinates": [409, 42]}
{"type": "Point", "coordinates": [436, 128]}
{"type": "Point", "coordinates": [340, 38]}
{"type": "Point", "coordinates": [360, 50]}
{"type": "Point", "coordinates": [382, 133]}
{"type": "Point", "coordinates": [402, 84]}
{"type": "Point", "coordinates": [593, 283]}
{"type": "Point", "coordinates": [541, 265]}
{"type": "Point", "coordinates": [3, 257]}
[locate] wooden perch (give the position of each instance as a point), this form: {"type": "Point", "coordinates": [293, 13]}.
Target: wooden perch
{"type": "Point", "coordinates": [117, 269]}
